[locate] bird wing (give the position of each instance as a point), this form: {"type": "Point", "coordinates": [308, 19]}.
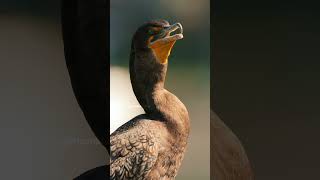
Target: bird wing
{"type": "Point", "coordinates": [85, 38]}
{"type": "Point", "coordinates": [133, 153]}
{"type": "Point", "coordinates": [228, 157]}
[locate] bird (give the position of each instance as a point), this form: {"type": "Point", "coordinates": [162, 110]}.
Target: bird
{"type": "Point", "coordinates": [151, 146]}
{"type": "Point", "coordinates": [229, 160]}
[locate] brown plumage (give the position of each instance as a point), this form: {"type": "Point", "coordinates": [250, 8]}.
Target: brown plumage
{"type": "Point", "coordinates": [228, 158]}
{"type": "Point", "coordinates": [151, 146]}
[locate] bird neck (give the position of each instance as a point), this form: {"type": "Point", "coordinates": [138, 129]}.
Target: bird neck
{"type": "Point", "coordinates": [145, 76]}
{"type": "Point", "coordinates": [168, 108]}
{"type": "Point", "coordinates": [157, 102]}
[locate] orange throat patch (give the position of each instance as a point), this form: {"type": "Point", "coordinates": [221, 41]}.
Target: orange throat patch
{"type": "Point", "coordinates": [162, 50]}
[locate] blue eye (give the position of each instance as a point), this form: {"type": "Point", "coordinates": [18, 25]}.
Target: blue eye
{"type": "Point", "coordinates": [150, 31]}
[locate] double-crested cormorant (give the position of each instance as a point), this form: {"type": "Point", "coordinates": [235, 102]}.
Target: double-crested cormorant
{"type": "Point", "coordinates": [151, 146]}
{"type": "Point", "coordinates": [228, 158]}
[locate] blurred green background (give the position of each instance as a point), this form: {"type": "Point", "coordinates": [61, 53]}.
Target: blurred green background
{"type": "Point", "coordinates": [188, 74]}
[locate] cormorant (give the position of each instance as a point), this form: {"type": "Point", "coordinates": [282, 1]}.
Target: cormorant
{"type": "Point", "coordinates": [151, 146]}
{"type": "Point", "coordinates": [229, 160]}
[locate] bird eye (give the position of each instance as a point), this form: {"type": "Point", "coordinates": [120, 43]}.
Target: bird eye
{"type": "Point", "coordinates": [150, 31]}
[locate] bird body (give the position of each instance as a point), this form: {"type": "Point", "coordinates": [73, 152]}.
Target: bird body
{"type": "Point", "coordinates": [151, 146]}
{"type": "Point", "coordinates": [144, 149]}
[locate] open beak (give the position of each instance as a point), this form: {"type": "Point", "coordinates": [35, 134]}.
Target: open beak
{"type": "Point", "coordinates": [163, 42]}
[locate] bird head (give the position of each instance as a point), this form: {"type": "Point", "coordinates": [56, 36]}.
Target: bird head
{"type": "Point", "coordinates": [150, 49]}
{"type": "Point", "coordinates": [159, 37]}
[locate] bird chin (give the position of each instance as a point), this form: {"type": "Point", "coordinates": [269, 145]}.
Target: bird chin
{"type": "Point", "coordinates": [162, 47]}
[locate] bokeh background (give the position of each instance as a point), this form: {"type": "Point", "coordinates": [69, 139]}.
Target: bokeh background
{"type": "Point", "coordinates": [43, 132]}
{"type": "Point", "coordinates": [265, 83]}
{"type": "Point", "coordinates": [188, 74]}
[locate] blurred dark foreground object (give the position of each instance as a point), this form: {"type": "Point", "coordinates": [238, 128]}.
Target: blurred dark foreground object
{"type": "Point", "coordinates": [94, 174]}
{"type": "Point", "coordinates": [85, 37]}
{"type": "Point", "coordinates": [84, 26]}
{"type": "Point", "coordinates": [229, 160]}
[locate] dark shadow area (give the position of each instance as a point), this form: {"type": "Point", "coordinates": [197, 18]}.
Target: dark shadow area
{"type": "Point", "coordinates": [43, 129]}
{"type": "Point", "coordinates": [265, 84]}
{"type": "Point", "coordinates": [98, 173]}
